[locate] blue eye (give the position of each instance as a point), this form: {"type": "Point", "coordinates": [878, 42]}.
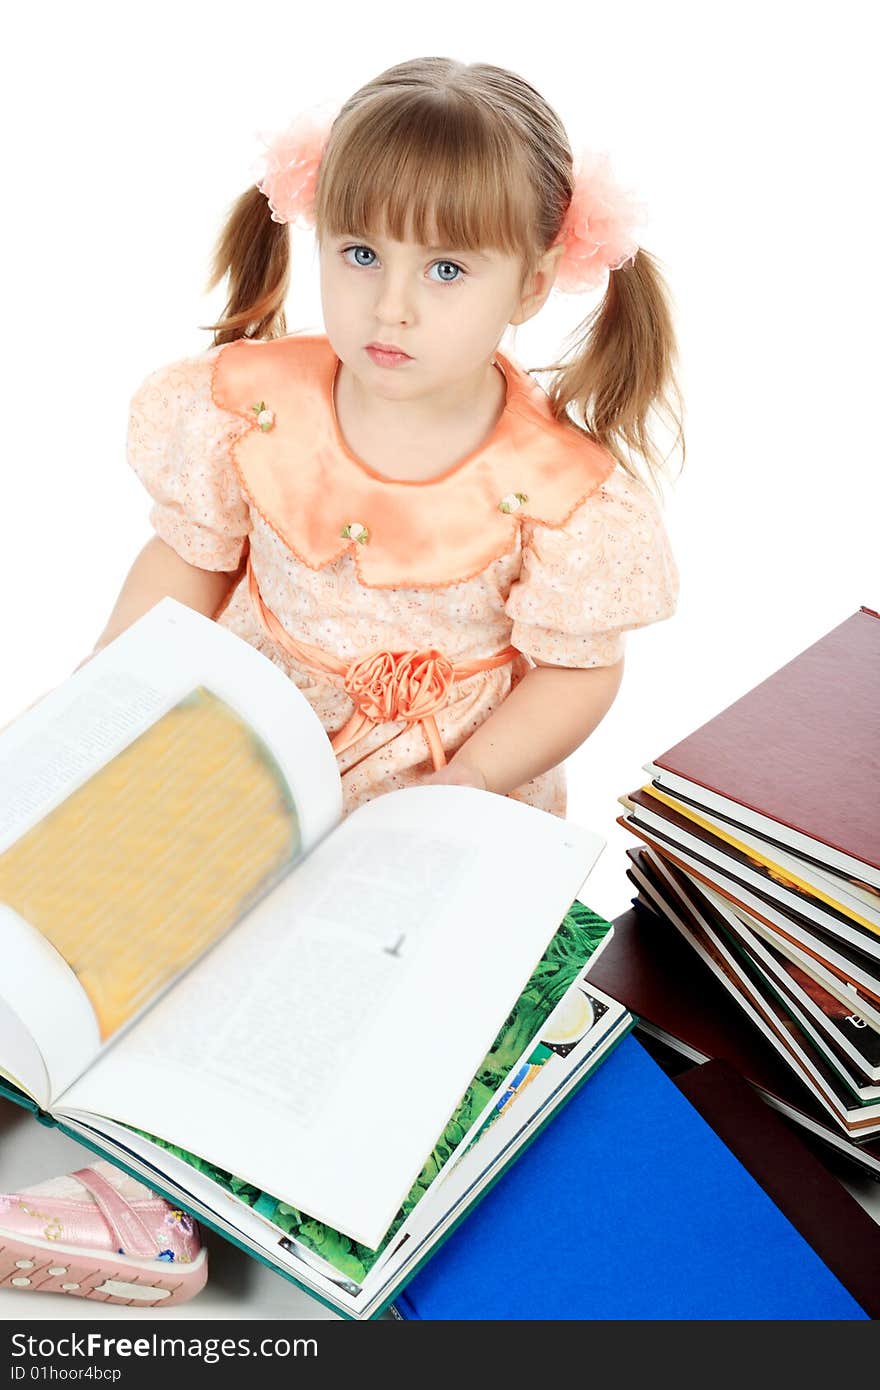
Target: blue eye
{"type": "Point", "coordinates": [359, 248]}
{"type": "Point", "coordinates": [459, 270]}
{"type": "Point", "coordinates": [450, 265]}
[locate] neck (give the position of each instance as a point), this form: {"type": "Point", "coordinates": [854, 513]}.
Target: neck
{"type": "Point", "coordinates": [470, 398]}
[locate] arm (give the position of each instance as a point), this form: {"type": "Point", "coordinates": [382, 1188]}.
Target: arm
{"type": "Point", "coordinates": [159, 572]}
{"type": "Point", "coordinates": [539, 724]}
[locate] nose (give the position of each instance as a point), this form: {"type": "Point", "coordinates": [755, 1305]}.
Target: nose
{"type": "Point", "coordinates": [394, 301]}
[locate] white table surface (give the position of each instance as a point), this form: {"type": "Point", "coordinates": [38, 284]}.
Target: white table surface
{"type": "Point", "coordinates": [238, 1287]}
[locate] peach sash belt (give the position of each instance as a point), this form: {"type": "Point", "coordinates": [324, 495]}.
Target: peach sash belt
{"type": "Point", "coordinates": [384, 685]}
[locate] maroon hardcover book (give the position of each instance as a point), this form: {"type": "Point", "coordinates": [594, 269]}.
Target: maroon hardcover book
{"type": "Point", "coordinates": [802, 749]}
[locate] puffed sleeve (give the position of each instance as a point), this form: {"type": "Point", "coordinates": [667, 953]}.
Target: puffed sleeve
{"type": "Point", "coordinates": [179, 443]}
{"type": "Point", "coordinates": [607, 569]}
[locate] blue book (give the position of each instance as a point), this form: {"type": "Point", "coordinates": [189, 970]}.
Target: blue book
{"type": "Point", "coordinates": [627, 1207]}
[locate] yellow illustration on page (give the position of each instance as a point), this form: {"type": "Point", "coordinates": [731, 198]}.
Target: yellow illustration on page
{"type": "Point", "coordinates": [153, 858]}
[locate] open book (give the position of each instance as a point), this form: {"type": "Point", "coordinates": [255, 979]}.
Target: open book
{"type": "Point", "coordinates": [208, 971]}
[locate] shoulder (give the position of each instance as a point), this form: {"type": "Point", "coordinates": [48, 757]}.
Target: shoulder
{"type": "Point", "coordinates": [251, 369]}
{"type": "Point", "coordinates": [174, 389]}
{"type": "Point", "coordinates": [623, 492]}
{"type": "Point", "coordinates": [621, 503]}
{"type": "Point", "coordinates": [173, 411]}
{"type": "Point", "coordinates": [569, 448]}
{"type": "Point", "coordinates": [193, 377]}
{"type": "Point", "coordinates": [548, 465]}
{"type": "Point", "coordinates": [615, 532]}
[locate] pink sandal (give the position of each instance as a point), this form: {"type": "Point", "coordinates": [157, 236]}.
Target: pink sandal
{"type": "Point", "coordinates": [98, 1234]}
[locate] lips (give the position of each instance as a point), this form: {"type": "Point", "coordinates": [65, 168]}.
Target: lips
{"type": "Point", "coordinates": [388, 347]}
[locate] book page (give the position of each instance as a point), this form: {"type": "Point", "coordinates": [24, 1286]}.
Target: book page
{"type": "Point", "coordinates": [147, 863]}
{"type": "Point", "coordinates": [140, 822]}
{"type": "Point", "coordinates": [23, 1063]}
{"type": "Point", "coordinates": [55, 746]}
{"type": "Point", "coordinates": [50, 1005]}
{"type": "Point", "coordinates": [322, 1046]}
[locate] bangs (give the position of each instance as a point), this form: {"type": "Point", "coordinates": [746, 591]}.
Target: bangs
{"type": "Point", "coordinates": [431, 172]}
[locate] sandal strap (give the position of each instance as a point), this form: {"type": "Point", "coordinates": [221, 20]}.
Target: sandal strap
{"type": "Point", "coordinates": [128, 1229]}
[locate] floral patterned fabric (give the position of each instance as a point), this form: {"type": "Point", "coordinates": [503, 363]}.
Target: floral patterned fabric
{"type": "Point", "coordinates": [563, 593]}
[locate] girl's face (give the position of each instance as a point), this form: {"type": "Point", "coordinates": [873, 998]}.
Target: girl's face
{"type": "Point", "coordinates": [446, 309]}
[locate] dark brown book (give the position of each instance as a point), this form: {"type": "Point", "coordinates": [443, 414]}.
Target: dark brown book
{"type": "Point", "coordinates": [840, 1231]}
{"type": "Point", "coordinates": [650, 968]}
{"type": "Point", "coordinates": [853, 1036]}
{"type": "Point", "coordinates": [703, 930]}
{"type": "Point", "coordinates": [798, 755]}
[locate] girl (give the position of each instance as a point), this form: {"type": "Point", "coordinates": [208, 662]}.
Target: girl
{"type": "Point", "coordinates": [442, 556]}
{"type": "Point", "coordinates": [399, 485]}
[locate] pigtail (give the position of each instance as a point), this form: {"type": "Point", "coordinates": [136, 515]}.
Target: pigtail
{"type": "Point", "coordinates": [255, 252]}
{"type": "Point", "coordinates": [622, 369]}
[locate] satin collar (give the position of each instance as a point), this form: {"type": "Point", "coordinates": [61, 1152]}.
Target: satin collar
{"type": "Point", "coordinates": [323, 502]}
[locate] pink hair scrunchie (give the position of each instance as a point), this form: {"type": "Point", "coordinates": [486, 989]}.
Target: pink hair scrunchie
{"type": "Point", "coordinates": [287, 172]}
{"type": "Point", "coordinates": [598, 231]}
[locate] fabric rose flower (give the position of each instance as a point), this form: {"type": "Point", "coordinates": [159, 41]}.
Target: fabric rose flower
{"type": "Point", "coordinates": [512, 502]}
{"type": "Point", "coordinates": [265, 416]}
{"type": "Point", "coordinates": [424, 680]}
{"type": "Point", "coordinates": [370, 683]}
{"type": "Point", "coordinates": [406, 685]}
{"type": "Point", "coordinates": [355, 531]}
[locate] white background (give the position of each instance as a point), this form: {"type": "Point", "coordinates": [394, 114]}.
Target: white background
{"type": "Point", "coordinates": [749, 132]}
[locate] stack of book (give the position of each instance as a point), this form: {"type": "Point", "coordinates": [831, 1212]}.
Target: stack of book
{"type": "Point", "coordinates": [761, 834]}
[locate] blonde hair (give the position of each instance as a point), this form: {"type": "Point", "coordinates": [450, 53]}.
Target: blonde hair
{"type": "Point", "coordinates": [473, 154]}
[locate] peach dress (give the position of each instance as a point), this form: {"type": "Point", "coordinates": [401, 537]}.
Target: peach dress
{"type": "Point", "coordinates": [537, 545]}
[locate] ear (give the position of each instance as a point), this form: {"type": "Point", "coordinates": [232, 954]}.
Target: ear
{"type": "Point", "coordinates": [538, 285]}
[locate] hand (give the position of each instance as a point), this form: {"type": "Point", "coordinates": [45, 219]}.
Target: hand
{"type": "Point", "coordinates": [457, 775]}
